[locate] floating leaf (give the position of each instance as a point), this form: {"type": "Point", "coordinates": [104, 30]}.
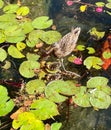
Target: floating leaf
{"type": "Point", "coordinates": [82, 98]}
{"type": "Point", "coordinates": [42, 22]}
{"type": "Point", "coordinates": [35, 86]}
{"type": "Point", "coordinates": [98, 35]}
{"type": "Point", "coordinates": [14, 34]}
{"type": "Point", "coordinates": [27, 121]}
{"type": "Point", "coordinates": [21, 46]}
{"type": "Point", "coordinates": [34, 37]}
{"type": "Point", "coordinates": [26, 68]}
{"type": "Point", "coordinates": [97, 81]}
{"type": "Point", "coordinates": [2, 36]}
{"type": "Point", "coordinates": [100, 4]}
{"type": "Point", "coordinates": [27, 26]}
{"type": "Point", "coordinates": [44, 109]}
{"type": "Point", "coordinates": [14, 52]}
{"type": "Point", "coordinates": [3, 55]}
{"type": "Point", "coordinates": [7, 20]}
{"type": "Point", "coordinates": [6, 104]}
{"type": "Point", "coordinates": [23, 11]}
{"type": "Point", "coordinates": [100, 100]}
{"type": "Point", "coordinates": [1, 4]}
{"type": "Point", "coordinates": [106, 55]}
{"type": "Point", "coordinates": [108, 5]}
{"type": "Point", "coordinates": [56, 126]}
{"type": "Point", "coordinates": [93, 61]}
{"type": "Point", "coordinates": [33, 57]}
{"type": "Point", "coordinates": [7, 65]}
{"type": "Point", "coordinates": [11, 8]}
{"type": "Point", "coordinates": [51, 37]}
{"type": "Point", "coordinates": [80, 47]}
{"type": "Point", "coordinates": [56, 89]}
{"type": "Point", "coordinates": [108, 12]}
{"type": "Point", "coordinates": [71, 58]}
{"type": "Point", "coordinates": [83, 8]}
{"type": "Point", "coordinates": [91, 50]}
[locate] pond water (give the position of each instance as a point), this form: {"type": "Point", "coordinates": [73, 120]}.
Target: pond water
{"type": "Point", "coordinates": [65, 17]}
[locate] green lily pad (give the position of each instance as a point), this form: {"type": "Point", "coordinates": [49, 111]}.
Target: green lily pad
{"type": "Point", "coordinates": [3, 54]}
{"type": "Point", "coordinates": [14, 34]}
{"type": "Point", "coordinates": [1, 4]}
{"type": "Point", "coordinates": [80, 47]}
{"type": "Point", "coordinates": [56, 126]}
{"type": "Point", "coordinates": [26, 68]}
{"type": "Point", "coordinates": [51, 37]}
{"type": "Point", "coordinates": [91, 50]}
{"type": "Point", "coordinates": [97, 81]}
{"type": "Point", "coordinates": [100, 100]}
{"type": "Point", "coordinates": [94, 62]}
{"type": "Point", "coordinates": [6, 104]}
{"type": "Point", "coordinates": [57, 91]}
{"type": "Point", "coordinates": [14, 52]}
{"type": "Point", "coordinates": [11, 8]}
{"type": "Point", "coordinates": [35, 86]}
{"type": "Point", "coordinates": [108, 5]}
{"type": "Point", "coordinates": [27, 121]}
{"type": "Point", "coordinates": [27, 26]}
{"type": "Point", "coordinates": [106, 55]}
{"type": "Point", "coordinates": [23, 11]}
{"type": "Point", "coordinates": [44, 109]}
{"type": "Point", "coordinates": [71, 58]}
{"type": "Point", "coordinates": [33, 57]}
{"type": "Point", "coordinates": [7, 20]}
{"type": "Point", "coordinates": [100, 4]}
{"type": "Point", "coordinates": [2, 36]}
{"type": "Point", "coordinates": [82, 98]}
{"type": "Point", "coordinates": [42, 22]}
{"type": "Point", "coordinates": [34, 37]}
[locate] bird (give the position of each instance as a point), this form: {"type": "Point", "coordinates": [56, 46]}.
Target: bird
{"type": "Point", "coordinates": [66, 45]}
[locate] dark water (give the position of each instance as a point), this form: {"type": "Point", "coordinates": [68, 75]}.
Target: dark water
{"type": "Point", "coordinates": [65, 17]}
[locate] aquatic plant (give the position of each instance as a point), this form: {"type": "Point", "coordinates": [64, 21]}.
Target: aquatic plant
{"type": "Point", "coordinates": [23, 42]}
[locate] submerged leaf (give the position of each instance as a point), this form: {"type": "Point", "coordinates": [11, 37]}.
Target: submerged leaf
{"type": "Point", "coordinates": [42, 22]}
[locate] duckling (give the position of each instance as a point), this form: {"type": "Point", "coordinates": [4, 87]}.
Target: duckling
{"type": "Point", "coordinates": [66, 45]}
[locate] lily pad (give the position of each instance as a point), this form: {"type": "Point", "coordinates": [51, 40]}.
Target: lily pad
{"type": "Point", "coordinates": [108, 5]}
{"type": "Point", "coordinates": [44, 109]}
{"type": "Point", "coordinates": [6, 104]}
{"type": "Point", "coordinates": [23, 11]}
{"type": "Point", "coordinates": [80, 47]}
{"type": "Point", "coordinates": [1, 4]}
{"type": "Point", "coordinates": [82, 98]}
{"type": "Point", "coordinates": [57, 91]}
{"type": "Point", "coordinates": [100, 100]}
{"type": "Point", "coordinates": [106, 55]}
{"type": "Point", "coordinates": [56, 126]}
{"type": "Point", "coordinates": [51, 37]}
{"type": "Point", "coordinates": [34, 37]}
{"type": "Point", "coordinates": [27, 26]}
{"type": "Point", "coordinates": [35, 86]}
{"type": "Point", "coordinates": [26, 68]}
{"type": "Point", "coordinates": [100, 4]}
{"type": "Point", "coordinates": [42, 22]}
{"type": "Point", "coordinates": [2, 36]}
{"type": "Point", "coordinates": [7, 20]}
{"type": "Point", "coordinates": [14, 34]}
{"type": "Point", "coordinates": [97, 81]}
{"type": "Point", "coordinates": [14, 52]}
{"type": "Point", "coordinates": [21, 46]}
{"type": "Point", "coordinates": [27, 121]}
{"type": "Point", "coordinates": [91, 50]}
{"type": "Point", "coordinates": [94, 62]}
{"type": "Point", "coordinates": [11, 8]}
{"type": "Point", "coordinates": [33, 57]}
{"type": "Point", "coordinates": [3, 54]}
